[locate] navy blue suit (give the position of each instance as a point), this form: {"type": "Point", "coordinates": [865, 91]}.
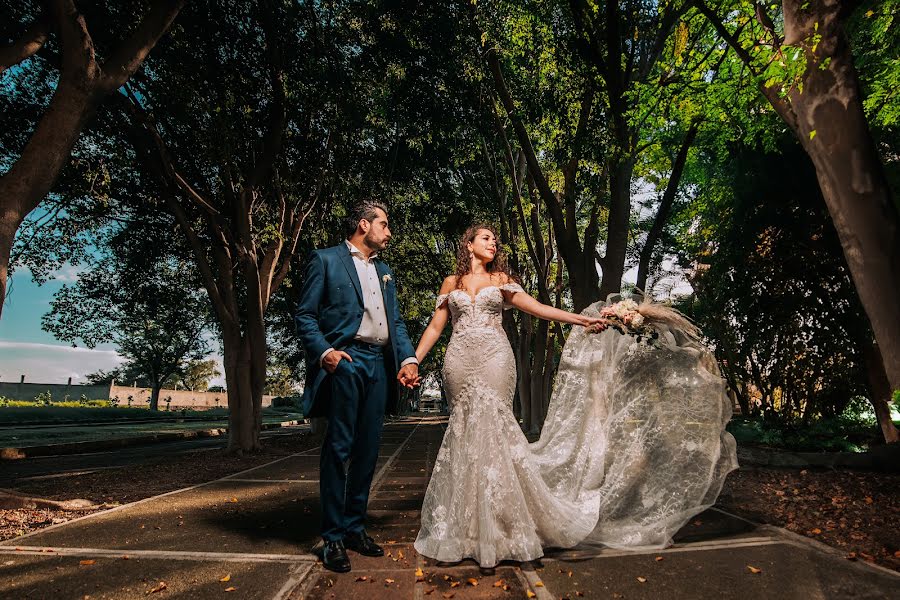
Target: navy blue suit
{"type": "Point", "coordinates": [354, 398]}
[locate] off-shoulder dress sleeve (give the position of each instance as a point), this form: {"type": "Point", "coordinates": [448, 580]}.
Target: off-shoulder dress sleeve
{"type": "Point", "coordinates": [511, 289]}
{"type": "Point", "coordinates": [441, 301]}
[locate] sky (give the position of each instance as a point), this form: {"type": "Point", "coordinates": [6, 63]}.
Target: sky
{"type": "Point", "coordinates": [26, 349]}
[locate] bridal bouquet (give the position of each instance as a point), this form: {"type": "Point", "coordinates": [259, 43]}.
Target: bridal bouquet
{"type": "Point", "coordinates": [626, 318]}
{"type": "Point", "coordinates": [639, 320]}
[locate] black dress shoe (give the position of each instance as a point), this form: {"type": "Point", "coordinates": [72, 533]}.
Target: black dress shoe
{"type": "Point", "coordinates": [362, 543]}
{"type": "Point", "coordinates": [334, 557]}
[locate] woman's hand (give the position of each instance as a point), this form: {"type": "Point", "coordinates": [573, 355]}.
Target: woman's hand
{"type": "Point", "coordinates": [596, 324]}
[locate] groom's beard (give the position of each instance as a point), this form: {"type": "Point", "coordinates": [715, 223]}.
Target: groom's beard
{"type": "Point", "coordinates": [375, 246]}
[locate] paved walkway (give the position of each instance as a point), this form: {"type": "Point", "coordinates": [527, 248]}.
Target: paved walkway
{"type": "Point", "coordinates": [248, 536]}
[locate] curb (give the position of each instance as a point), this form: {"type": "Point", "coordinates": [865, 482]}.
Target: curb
{"type": "Point", "coordinates": [882, 458]}
{"type": "Point", "coordinates": [97, 445]}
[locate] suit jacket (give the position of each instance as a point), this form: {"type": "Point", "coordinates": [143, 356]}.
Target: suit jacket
{"type": "Point", "coordinates": [329, 315]}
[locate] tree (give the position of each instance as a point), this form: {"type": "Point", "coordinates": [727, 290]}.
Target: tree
{"type": "Point", "coordinates": [805, 69]}
{"type": "Point", "coordinates": [143, 302]}
{"type": "Point", "coordinates": [196, 375]}
{"type": "Point", "coordinates": [774, 293]}
{"type": "Point", "coordinates": [84, 80]}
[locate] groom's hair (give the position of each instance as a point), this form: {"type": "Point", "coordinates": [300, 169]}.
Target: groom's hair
{"type": "Point", "coordinates": [364, 209]}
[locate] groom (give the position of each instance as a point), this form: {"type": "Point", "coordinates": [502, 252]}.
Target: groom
{"type": "Point", "coordinates": [355, 341]}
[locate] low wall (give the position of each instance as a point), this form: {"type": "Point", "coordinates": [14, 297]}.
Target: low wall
{"type": "Point", "coordinates": [180, 398]}
{"type": "Point", "coordinates": [139, 396]}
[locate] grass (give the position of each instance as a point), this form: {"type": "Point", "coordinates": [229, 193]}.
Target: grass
{"type": "Point", "coordinates": [64, 413]}
{"type": "Point", "coordinates": [23, 437]}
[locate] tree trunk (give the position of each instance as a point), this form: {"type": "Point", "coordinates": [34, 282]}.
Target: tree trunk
{"type": "Point", "coordinates": [154, 396]}
{"type": "Point", "coordinates": [244, 394]}
{"type": "Point", "coordinates": [30, 178]}
{"type": "Point", "coordinates": [523, 356]}
{"type": "Point", "coordinates": [538, 363]}
{"type": "Point", "coordinates": [827, 116]}
{"type": "Point", "coordinates": [665, 207]}
{"type": "Point", "coordinates": [613, 262]}
{"type": "Point", "coordinates": [880, 394]}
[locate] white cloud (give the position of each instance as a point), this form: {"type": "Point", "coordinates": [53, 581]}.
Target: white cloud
{"type": "Point", "coordinates": [68, 273]}
{"type": "Point", "coordinates": [50, 363]}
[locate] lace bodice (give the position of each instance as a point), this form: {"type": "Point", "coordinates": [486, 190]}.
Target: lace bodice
{"type": "Point", "coordinates": [485, 309]}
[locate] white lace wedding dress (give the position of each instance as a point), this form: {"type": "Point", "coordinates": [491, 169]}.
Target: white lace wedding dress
{"type": "Point", "coordinates": [632, 447]}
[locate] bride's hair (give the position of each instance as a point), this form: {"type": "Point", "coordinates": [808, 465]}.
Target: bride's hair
{"type": "Point", "coordinates": [464, 258]}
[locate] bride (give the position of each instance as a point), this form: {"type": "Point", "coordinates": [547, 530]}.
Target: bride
{"type": "Point", "coordinates": [632, 447]}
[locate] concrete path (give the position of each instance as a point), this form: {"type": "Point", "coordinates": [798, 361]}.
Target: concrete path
{"type": "Point", "coordinates": [249, 535]}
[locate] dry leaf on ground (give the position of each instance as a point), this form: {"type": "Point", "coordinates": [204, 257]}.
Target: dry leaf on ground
{"type": "Point", "coordinates": [159, 587]}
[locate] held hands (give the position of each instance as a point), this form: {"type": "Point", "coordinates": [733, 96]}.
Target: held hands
{"type": "Point", "coordinates": [409, 376]}
{"type": "Point", "coordinates": [331, 360]}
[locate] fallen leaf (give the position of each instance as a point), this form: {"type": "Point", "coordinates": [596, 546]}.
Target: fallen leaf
{"type": "Point", "coordinates": [569, 574]}
{"type": "Point", "coordinates": [87, 562]}
{"type": "Point", "coordinates": [234, 499]}
{"type": "Point", "coordinates": [530, 594]}
{"type": "Point", "coordinates": [659, 558]}
{"type": "Point", "coordinates": [897, 554]}
{"type": "Point", "coordinates": [498, 583]}
{"type": "Point", "coordinates": [231, 589]}
{"type": "Point", "coordinates": [642, 579]}
{"type": "Point", "coordinates": [539, 584]}
{"type": "Point", "coordinates": [472, 581]}
{"type": "Point", "coordinates": [362, 578]}
{"type": "Point", "coordinates": [754, 570]}
{"type": "Point", "coordinates": [388, 581]}
{"type": "Point", "coordinates": [400, 554]}
{"type": "Point", "coordinates": [816, 531]}
{"type": "Point", "coordinates": [446, 577]}
{"type": "Point", "coordinates": [226, 578]}
{"type": "Point", "coordinates": [159, 587]}
{"type": "Point", "coordinates": [869, 500]}
{"type": "Point", "coordinates": [126, 557]}
{"type": "Point", "coordinates": [420, 575]}
{"type": "Point", "coordinates": [454, 584]}
{"type": "Point", "coordinates": [851, 556]}
{"type": "Point", "coordinates": [579, 594]}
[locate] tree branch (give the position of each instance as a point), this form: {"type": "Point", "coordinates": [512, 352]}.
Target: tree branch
{"type": "Point", "coordinates": [129, 56]}
{"type": "Point", "coordinates": [27, 45]}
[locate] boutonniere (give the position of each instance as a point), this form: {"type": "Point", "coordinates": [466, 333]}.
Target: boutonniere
{"type": "Point", "coordinates": [385, 279]}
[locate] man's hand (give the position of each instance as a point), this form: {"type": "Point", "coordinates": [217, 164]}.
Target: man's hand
{"type": "Point", "coordinates": [409, 375]}
{"type": "Point", "coordinates": [331, 360]}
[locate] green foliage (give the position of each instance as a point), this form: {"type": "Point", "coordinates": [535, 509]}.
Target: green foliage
{"type": "Point", "coordinates": [42, 401]}
{"type": "Point", "coordinates": [773, 292]}
{"type": "Point", "coordinates": [852, 431]}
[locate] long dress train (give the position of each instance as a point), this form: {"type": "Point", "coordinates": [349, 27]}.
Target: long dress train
{"type": "Point", "coordinates": [632, 447]}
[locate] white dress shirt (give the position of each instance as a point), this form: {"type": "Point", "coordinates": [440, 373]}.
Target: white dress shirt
{"type": "Point", "coordinates": [374, 326]}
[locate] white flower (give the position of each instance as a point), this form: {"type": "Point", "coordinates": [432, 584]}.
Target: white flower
{"type": "Point", "coordinates": [637, 320]}
{"type": "Point", "coordinates": [385, 279]}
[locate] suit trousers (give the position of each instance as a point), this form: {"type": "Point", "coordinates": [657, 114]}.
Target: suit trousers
{"type": "Point", "coordinates": [359, 391]}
